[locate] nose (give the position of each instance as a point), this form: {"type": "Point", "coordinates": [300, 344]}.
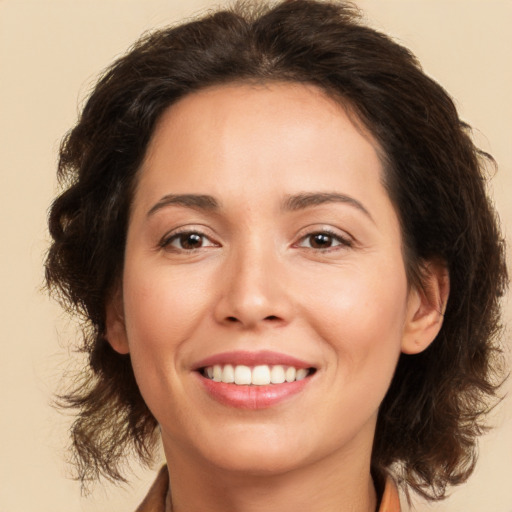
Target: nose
{"type": "Point", "coordinates": [254, 291]}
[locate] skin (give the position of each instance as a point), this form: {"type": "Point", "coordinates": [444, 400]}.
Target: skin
{"type": "Point", "coordinates": [256, 281]}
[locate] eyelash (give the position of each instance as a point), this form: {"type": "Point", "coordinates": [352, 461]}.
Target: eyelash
{"type": "Point", "coordinates": [333, 236]}
{"type": "Point", "coordinates": [167, 241]}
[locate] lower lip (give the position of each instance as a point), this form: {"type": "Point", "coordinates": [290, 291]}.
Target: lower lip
{"type": "Point", "coordinates": [252, 397]}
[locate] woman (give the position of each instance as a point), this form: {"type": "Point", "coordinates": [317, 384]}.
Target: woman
{"type": "Point", "coordinates": [276, 228]}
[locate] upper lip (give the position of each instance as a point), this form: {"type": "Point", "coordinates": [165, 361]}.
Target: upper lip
{"type": "Point", "coordinates": [248, 358]}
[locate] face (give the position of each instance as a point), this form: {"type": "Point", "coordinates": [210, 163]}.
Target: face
{"type": "Point", "coordinates": [263, 248]}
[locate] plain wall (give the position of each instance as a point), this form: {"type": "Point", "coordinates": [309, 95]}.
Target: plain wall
{"type": "Point", "coordinates": [50, 52]}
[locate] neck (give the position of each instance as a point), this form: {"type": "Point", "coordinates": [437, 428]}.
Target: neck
{"type": "Point", "coordinates": [325, 486]}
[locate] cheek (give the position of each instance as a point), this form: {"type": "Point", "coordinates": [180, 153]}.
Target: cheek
{"type": "Point", "coordinates": [361, 315]}
{"type": "Point", "coordinates": [162, 310]}
{"type": "Point", "coordinates": [161, 307]}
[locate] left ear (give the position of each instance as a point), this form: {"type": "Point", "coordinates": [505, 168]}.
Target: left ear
{"type": "Point", "coordinates": [425, 308]}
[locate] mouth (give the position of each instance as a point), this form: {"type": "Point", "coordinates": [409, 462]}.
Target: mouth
{"type": "Point", "coordinates": [253, 380]}
{"type": "Point", "coordinates": [260, 375]}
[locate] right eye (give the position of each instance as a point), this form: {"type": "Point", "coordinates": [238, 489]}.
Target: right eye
{"type": "Point", "coordinates": [324, 240]}
{"type": "Point", "coordinates": [187, 241]}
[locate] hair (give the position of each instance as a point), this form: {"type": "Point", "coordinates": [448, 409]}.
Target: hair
{"type": "Point", "coordinates": [435, 176]}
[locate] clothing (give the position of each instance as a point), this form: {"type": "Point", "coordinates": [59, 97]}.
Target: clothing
{"type": "Point", "coordinates": [155, 499]}
{"type": "Point", "coordinates": [390, 501]}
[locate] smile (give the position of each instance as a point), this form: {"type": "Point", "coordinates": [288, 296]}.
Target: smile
{"type": "Point", "coordinates": [261, 375]}
{"type": "Point", "coordinates": [253, 380]}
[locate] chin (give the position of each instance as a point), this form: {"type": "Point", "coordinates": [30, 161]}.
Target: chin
{"type": "Point", "coordinates": [256, 451]}
{"type": "Point", "coordinates": [256, 463]}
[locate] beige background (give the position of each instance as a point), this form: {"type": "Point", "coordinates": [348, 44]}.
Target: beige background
{"type": "Point", "coordinates": [50, 52]}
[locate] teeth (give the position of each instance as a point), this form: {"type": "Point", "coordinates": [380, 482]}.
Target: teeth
{"type": "Point", "coordinates": [217, 373]}
{"type": "Point", "coordinates": [242, 375]}
{"type": "Point", "coordinates": [301, 374]}
{"type": "Point", "coordinates": [228, 374]}
{"type": "Point", "coordinates": [277, 375]}
{"type": "Point", "coordinates": [290, 374]}
{"type": "Point", "coordinates": [261, 375]}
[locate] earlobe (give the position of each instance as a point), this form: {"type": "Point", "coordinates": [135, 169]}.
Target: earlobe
{"type": "Point", "coordinates": [425, 309]}
{"type": "Point", "coordinates": [115, 329]}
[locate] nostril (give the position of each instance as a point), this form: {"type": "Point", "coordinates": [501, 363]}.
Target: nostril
{"type": "Point", "coordinates": [234, 319]}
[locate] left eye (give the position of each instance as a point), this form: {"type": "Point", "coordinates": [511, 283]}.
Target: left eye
{"type": "Point", "coordinates": [322, 240]}
{"type": "Point", "coordinates": [188, 241]}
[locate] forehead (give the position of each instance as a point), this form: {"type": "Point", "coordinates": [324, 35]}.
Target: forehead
{"type": "Point", "coordinates": [273, 101]}
{"type": "Point", "coordinates": [268, 128]}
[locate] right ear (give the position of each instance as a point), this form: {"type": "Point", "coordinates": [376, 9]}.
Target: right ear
{"type": "Point", "coordinates": [115, 328]}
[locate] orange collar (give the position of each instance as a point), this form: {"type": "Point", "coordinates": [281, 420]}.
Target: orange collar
{"type": "Point", "coordinates": [390, 501]}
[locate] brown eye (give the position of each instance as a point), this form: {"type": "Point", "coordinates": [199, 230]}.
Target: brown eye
{"type": "Point", "coordinates": [323, 240]}
{"type": "Point", "coordinates": [190, 241]}
{"type": "Point", "coordinates": [320, 240]}
{"type": "Point", "coordinates": [187, 241]}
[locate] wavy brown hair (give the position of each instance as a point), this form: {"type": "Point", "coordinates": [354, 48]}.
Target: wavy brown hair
{"type": "Point", "coordinates": [433, 412]}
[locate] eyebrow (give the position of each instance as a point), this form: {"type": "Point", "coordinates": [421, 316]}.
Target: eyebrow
{"type": "Point", "coordinates": [291, 203]}
{"type": "Point", "coordinates": [197, 202]}
{"type": "Point", "coordinates": [310, 199]}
